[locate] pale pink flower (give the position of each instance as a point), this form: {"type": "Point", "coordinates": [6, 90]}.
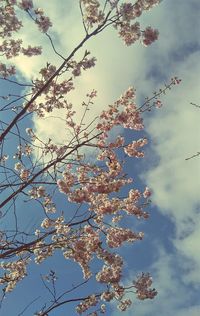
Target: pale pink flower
{"type": "Point", "coordinates": [7, 71]}
{"type": "Point", "coordinates": [86, 304]}
{"type": "Point", "coordinates": [31, 51]}
{"type": "Point", "coordinates": [124, 305]}
{"type": "Point", "coordinates": [149, 36]}
{"type": "Point", "coordinates": [43, 23]}
{"type": "Point", "coordinates": [24, 174]}
{"type": "Point", "coordinates": [158, 104]}
{"type": "Point", "coordinates": [18, 166]}
{"type": "Point", "coordinates": [146, 193]}
{"type": "Point", "coordinates": [116, 236]}
{"type": "Point", "coordinates": [26, 4]}
{"type": "Point", "coordinates": [142, 285]}
{"type": "Point", "coordinates": [132, 149]}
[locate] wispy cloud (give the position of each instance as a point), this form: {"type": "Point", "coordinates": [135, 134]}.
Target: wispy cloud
{"type": "Point", "coordinates": [175, 134]}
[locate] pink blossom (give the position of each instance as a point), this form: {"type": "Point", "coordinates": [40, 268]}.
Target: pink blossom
{"type": "Point", "coordinates": [142, 285]}
{"type": "Point", "coordinates": [147, 193]}
{"type": "Point", "coordinates": [158, 104]}
{"type": "Point", "coordinates": [132, 149]}
{"type": "Point", "coordinates": [24, 174]}
{"type": "Point", "coordinates": [31, 51]}
{"type": "Point", "coordinates": [124, 305]}
{"type": "Point", "coordinates": [26, 4]}
{"type": "Point", "coordinates": [129, 33]}
{"type": "Point", "coordinates": [149, 36]}
{"type": "Point", "coordinates": [116, 236]}
{"type": "Point", "coordinates": [92, 13]}
{"type": "Point", "coordinates": [86, 304]}
{"type": "Point", "coordinates": [7, 71]}
{"type": "Point", "coordinates": [43, 23]}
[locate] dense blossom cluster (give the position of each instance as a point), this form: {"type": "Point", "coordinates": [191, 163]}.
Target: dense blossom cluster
{"type": "Point", "coordinates": [142, 285]}
{"type": "Point", "coordinates": [42, 251]}
{"type": "Point", "coordinates": [130, 31]}
{"type": "Point", "coordinates": [65, 185]}
{"type": "Point", "coordinates": [9, 20]}
{"type": "Point", "coordinates": [17, 271]}
{"type": "Point", "coordinates": [124, 304]}
{"type": "Point", "coordinates": [31, 51]}
{"type": "Point", "coordinates": [7, 71]}
{"type": "Point", "coordinates": [92, 12]}
{"type": "Point", "coordinates": [86, 304]}
{"type": "Point", "coordinates": [12, 48]}
{"type": "Point", "coordinates": [123, 112]}
{"type": "Point", "coordinates": [112, 269]}
{"type": "Point", "coordinates": [81, 250]}
{"type": "Point", "coordinates": [116, 236]}
{"type": "Point", "coordinates": [85, 63]}
{"type": "Point", "coordinates": [37, 192]}
{"type": "Point", "coordinates": [124, 19]}
{"type": "Point", "coordinates": [149, 36]}
{"type": "Point", "coordinates": [132, 149]}
{"type": "Point", "coordinates": [24, 174]}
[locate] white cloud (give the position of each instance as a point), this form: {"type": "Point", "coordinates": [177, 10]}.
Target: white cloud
{"type": "Point", "coordinates": [175, 135]}
{"type": "Point", "coordinates": [192, 311]}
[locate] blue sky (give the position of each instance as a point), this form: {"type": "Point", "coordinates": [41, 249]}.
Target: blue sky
{"type": "Point", "coordinates": [170, 250]}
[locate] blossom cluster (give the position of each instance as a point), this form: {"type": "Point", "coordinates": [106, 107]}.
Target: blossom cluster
{"type": "Point", "coordinates": [110, 273]}
{"type": "Point", "coordinates": [116, 236]}
{"type": "Point", "coordinates": [123, 18]}
{"type": "Point", "coordinates": [59, 239]}
{"type": "Point", "coordinates": [31, 51]}
{"type": "Point", "coordinates": [124, 304]}
{"type": "Point", "coordinates": [10, 48]}
{"type": "Point", "coordinates": [92, 12]}
{"type": "Point", "coordinates": [17, 271]}
{"type": "Point", "coordinates": [142, 285]}
{"type": "Point", "coordinates": [85, 63]}
{"type": "Point", "coordinates": [36, 192]}
{"type": "Point", "coordinates": [129, 30]}
{"type": "Point", "coordinates": [53, 94]}
{"type": "Point", "coordinates": [42, 251]}
{"type": "Point", "coordinates": [81, 250]}
{"type": "Point", "coordinates": [65, 185]}
{"type": "Point", "coordinates": [26, 4]}
{"type": "Point", "coordinates": [41, 20]}
{"type": "Point", "coordinates": [130, 11]}
{"type": "Point", "coordinates": [149, 36]}
{"type": "Point", "coordinates": [7, 71]}
{"type": "Point", "coordinates": [132, 149]}
{"type": "Point", "coordinates": [123, 112]}
{"type": "Point", "coordinates": [86, 304]}
{"type": "Point", "coordinates": [9, 21]}
{"type": "Point", "coordinates": [24, 174]}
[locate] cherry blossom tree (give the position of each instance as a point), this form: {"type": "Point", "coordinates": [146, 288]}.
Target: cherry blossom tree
{"type": "Point", "coordinates": [38, 173]}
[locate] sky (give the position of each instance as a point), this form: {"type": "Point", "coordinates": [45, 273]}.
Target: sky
{"type": "Point", "coordinates": [170, 250]}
